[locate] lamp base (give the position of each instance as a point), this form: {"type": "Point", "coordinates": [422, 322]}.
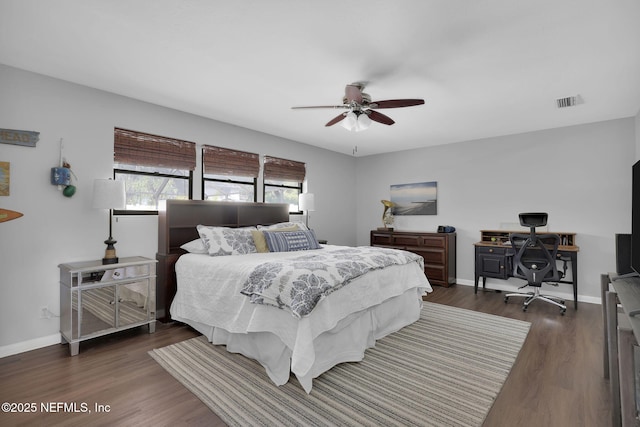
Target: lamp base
{"type": "Point", "coordinates": [106, 260]}
{"type": "Point", "coordinates": [110, 253]}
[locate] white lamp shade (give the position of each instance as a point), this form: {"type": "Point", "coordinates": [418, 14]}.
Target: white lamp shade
{"type": "Point", "coordinates": [109, 194]}
{"type": "Point", "coordinates": [356, 122]}
{"type": "Point", "coordinates": [306, 202]}
{"type": "Point", "coordinates": [363, 122]}
{"type": "Point", "coordinates": [350, 121]}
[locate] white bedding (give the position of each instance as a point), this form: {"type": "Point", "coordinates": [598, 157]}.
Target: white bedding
{"type": "Point", "coordinates": [339, 329]}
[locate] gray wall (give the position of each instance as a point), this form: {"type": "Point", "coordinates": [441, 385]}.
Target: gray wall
{"type": "Point", "coordinates": [580, 175]}
{"type": "Point", "coordinates": [56, 229]}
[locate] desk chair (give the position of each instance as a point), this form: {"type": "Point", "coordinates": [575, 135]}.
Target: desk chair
{"type": "Point", "coordinates": [535, 260]}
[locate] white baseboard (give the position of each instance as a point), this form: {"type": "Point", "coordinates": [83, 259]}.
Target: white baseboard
{"type": "Point", "coordinates": [21, 347]}
{"type": "Point", "coordinates": [502, 285]}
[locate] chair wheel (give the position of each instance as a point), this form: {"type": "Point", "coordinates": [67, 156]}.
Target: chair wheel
{"type": "Point", "coordinates": [506, 299]}
{"type": "Point", "coordinates": [524, 308]}
{"type": "Point", "coordinates": [563, 311]}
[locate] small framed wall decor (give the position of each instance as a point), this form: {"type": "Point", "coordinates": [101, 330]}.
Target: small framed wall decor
{"type": "Point", "coordinates": [5, 178]}
{"type": "Point", "coordinates": [26, 138]}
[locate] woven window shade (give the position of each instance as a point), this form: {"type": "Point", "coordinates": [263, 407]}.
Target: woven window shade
{"type": "Point", "coordinates": [143, 149]}
{"type": "Point", "coordinates": [223, 161]}
{"type": "Point", "coordinates": [283, 170]}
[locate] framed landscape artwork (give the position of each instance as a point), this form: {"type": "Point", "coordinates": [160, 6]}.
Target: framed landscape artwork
{"type": "Point", "coordinates": [415, 199]}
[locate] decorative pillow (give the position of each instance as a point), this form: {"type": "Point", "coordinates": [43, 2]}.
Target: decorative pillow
{"type": "Point", "coordinates": [289, 224]}
{"type": "Point", "coordinates": [261, 243]}
{"type": "Point", "coordinates": [286, 241]}
{"type": "Point", "coordinates": [221, 241]}
{"type": "Point", "coordinates": [195, 247]}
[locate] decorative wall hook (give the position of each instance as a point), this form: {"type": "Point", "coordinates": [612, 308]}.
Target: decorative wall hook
{"type": "Point", "coordinates": [61, 175]}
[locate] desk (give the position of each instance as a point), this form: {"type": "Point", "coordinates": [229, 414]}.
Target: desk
{"type": "Point", "coordinates": [493, 257]}
{"type": "Point", "coordinates": [620, 331]}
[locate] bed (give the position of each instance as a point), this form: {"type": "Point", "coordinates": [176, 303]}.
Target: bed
{"type": "Point", "coordinates": [225, 297]}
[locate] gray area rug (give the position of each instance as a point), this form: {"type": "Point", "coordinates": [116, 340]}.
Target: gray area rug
{"type": "Point", "coordinates": [444, 370]}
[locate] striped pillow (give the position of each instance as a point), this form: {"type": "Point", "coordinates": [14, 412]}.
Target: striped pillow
{"type": "Point", "coordinates": [287, 241]}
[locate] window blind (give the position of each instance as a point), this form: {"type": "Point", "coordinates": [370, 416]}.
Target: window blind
{"type": "Point", "coordinates": [227, 162]}
{"type": "Point", "coordinates": [143, 149]}
{"type": "Point", "coordinates": [283, 170]}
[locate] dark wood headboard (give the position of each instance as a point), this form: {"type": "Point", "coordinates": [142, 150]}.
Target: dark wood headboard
{"type": "Point", "coordinates": [177, 226]}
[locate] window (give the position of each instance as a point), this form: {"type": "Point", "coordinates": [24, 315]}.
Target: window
{"type": "Point", "coordinates": [154, 168]}
{"type": "Point", "coordinates": [229, 175]}
{"type": "Point", "coordinates": [283, 181]}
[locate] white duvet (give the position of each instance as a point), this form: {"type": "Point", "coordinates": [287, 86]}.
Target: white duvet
{"type": "Point", "coordinates": [339, 329]}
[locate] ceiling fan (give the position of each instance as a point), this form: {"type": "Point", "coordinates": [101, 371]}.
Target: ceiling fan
{"type": "Point", "coordinates": [361, 110]}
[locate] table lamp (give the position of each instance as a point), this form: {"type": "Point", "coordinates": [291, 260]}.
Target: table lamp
{"type": "Point", "coordinates": [109, 194]}
{"type": "Point", "coordinates": [306, 203]}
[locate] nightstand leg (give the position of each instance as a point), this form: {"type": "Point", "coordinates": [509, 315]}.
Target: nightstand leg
{"type": "Point", "coordinates": [152, 327]}
{"type": "Point", "coordinates": [74, 348]}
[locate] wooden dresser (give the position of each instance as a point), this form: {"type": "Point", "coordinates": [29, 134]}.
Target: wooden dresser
{"type": "Point", "coordinates": [437, 249]}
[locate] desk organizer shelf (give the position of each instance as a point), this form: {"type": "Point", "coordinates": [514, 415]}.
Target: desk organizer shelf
{"type": "Point", "coordinates": [501, 237]}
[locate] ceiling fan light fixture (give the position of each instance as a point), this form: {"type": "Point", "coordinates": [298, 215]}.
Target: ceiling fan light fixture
{"type": "Point", "coordinates": [363, 122]}
{"type": "Point", "coordinates": [350, 121]}
{"type": "Point", "coordinates": [361, 111]}
{"type": "Point", "coordinates": [356, 121]}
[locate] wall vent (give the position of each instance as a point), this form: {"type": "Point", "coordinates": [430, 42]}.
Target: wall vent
{"type": "Point", "coordinates": [569, 101]}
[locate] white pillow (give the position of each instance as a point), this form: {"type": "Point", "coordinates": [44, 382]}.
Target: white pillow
{"type": "Point", "coordinates": [195, 247]}
{"type": "Point", "coordinates": [221, 241]}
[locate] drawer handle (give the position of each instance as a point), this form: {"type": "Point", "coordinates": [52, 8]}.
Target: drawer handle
{"type": "Point", "coordinates": [491, 250]}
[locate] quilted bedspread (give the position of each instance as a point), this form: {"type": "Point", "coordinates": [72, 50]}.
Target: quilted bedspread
{"type": "Point", "coordinates": [301, 282]}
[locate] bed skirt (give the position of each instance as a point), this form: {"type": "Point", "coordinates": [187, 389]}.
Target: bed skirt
{"type": "Point", "coordinates": [346, 342]}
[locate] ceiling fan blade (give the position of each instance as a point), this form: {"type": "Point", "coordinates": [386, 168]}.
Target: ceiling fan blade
{"type": "Point", "coordinates": [396, 103]}
{"type": "Point", "coordinates": [353, 93]}
{"type": "Point", "coordinates": [380, 118]}
{"type": "Point", "coordinates": [321, 106]}
{"type": "Point", "coordinates": [336, 120]}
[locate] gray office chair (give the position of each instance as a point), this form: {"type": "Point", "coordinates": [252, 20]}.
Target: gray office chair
{"type": "Point", "coordinates": [535, 260]}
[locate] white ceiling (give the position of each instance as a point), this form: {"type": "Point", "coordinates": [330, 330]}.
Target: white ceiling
{"type": "Point", "coordinates": [484, 67]}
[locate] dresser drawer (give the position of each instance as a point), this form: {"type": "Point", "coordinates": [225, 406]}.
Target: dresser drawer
{"type": "Point", "coordinates": [433, 242]}
{"type": "Point", "coordinates": [407, 240]}
{"type": "Point", "coordinates": [436, 274]}
{"type": "Point", "coordinates": [381, 239]}
{"type": "Point", "coordinates": [431, 256]}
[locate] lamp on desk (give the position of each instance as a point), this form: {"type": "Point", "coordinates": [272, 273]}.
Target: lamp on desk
{"type": "Point", "coordinates": [306, 203]}
{"type": "Point", "coordinates": [109, 194]}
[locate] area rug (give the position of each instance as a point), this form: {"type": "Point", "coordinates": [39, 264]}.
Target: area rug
{"type": "Point", "coordinates": [446, 369]}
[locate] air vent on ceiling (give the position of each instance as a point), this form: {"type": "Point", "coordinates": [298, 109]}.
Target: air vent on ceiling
{"type": "Point", "coordinates": [569, 101]}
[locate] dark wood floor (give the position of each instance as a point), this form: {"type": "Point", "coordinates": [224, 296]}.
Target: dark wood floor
{"type": "Point", "coordinates": [557, 379]}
